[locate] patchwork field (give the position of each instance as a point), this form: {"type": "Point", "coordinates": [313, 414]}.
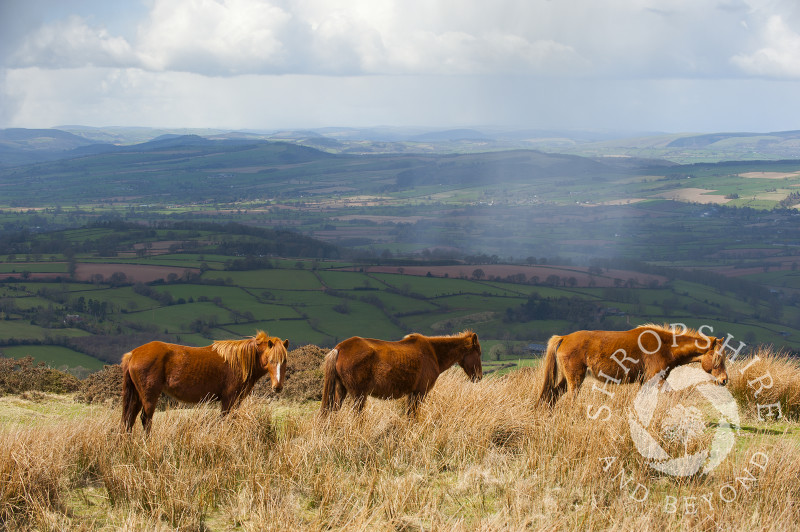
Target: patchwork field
{"type": "Point", "coordinates": [512, 306]}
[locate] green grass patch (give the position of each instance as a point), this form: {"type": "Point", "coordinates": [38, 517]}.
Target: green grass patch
{"type": "Point", "coordinates": [270, 279]}
{"type": "Point", "coordinates": [298, 332]}
{"type": "Point", "coordinates": [33, 267]}
{"type": "Point", "coordinates": [21, 330]}
{"type": "Point", "coordinates": [179, 318]}
{"type": "Point", "coordinates": [122, 298]}
{"type": "Point", "coordinates": [428, 286]}
{"type": "Point", "coordinates": [395, 303]}
{"type": "Point", "coordinates": [55, 356]}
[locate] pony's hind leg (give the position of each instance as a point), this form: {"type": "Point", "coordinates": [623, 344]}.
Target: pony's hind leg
{"type": "Point", "coordinates": [574, 380]}
{"type": "Point", "coordinates": [558, 390]}
{"type": "Point", "coordinates": [147, 420]}
{"type": "Point", "coordinates": [339, 394]}
{"type": "Point", "coordinates": [551, 394]}
{"type": "Point", "coordinates": [149, 402]}
{"type": "Point", "coordinates": [131, 403]}
{"type": "Point", "coordinates": [129, 412]}
{"type": "Point", "coordinates": [574, 372]}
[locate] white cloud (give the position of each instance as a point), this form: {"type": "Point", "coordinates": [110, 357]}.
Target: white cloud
{"type": "Point", "coordinates": [235, 37]}
{"type": "Point", "coordinates": [72, 43]}
{"type": "Point", "coordinates": [780, 55]}
{"type": "Point", "coordinates": [214, 37]}
{"type": "Point", "coordinates": [306, 63]}
{"type": "Point", "coordinates": [586, 38]}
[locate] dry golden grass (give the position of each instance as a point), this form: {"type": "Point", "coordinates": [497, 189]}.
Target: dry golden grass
{"type": "Point", "coordinates": [767, 378]}
{"type": "Point", "coordinates": [478, 457]}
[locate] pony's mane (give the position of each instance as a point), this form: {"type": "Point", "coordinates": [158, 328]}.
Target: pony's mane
{"type": "Point", "coordinates": [242, 354]}
{"type": "Point", "coordinates": [463, 334]}
{"type": "Point", "coordinates": [716, 356]}
{"type": "Point", "coordinates": [665, 328]}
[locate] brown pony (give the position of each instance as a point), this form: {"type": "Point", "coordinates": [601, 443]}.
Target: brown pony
{"type": "Point", "coordinates": [626, 356]}
{"type": "Point", "coordinates": [225, 371]}
{"type": "Point", "coordinates": [389, 370]}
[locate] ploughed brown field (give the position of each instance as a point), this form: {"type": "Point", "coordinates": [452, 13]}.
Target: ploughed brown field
{"type": "Point", "coordinates": [143, 273]}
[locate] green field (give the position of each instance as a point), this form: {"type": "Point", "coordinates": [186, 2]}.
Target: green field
{"type": "Point", "coordinates": [19, 330]}
{"type": "Point", "coordinates": [53, 355]}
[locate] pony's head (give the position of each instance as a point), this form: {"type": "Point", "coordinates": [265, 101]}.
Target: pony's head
{"type": "Point", "coordinates": [272, 358]}
{"type": "Point", "coordinates": [471, 361]}
{"type": "Point", "coordinates": [260, 352]}
{"type": "Point", "coordinates": [713, 362]}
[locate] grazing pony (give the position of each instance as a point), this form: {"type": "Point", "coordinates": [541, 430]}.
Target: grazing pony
{"type": "Point", "coordinates": [389, 370]}
{"type": "Point", "coordinates": [626, 356]}
{"type": "Point", "coordinates": [225, 371]}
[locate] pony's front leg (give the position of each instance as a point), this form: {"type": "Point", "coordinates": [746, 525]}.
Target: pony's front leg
{"type": "Point", "coordinates": [414, 400]}
{"type": "Point", "coordinates": [228, 403]}
{"type": "Point", "coordinates": [360, 400]}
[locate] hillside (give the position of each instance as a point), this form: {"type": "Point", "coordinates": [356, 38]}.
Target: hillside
{"type": "Point", "coordinates": [25, 146]}
{"type": "Point", "coordinates": [181, 169]}
{"type": "Point", "coordinates": [192, 169]}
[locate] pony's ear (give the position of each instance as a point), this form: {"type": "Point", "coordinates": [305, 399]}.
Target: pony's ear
{"type": "Point", "coordinates": [286, 343]}
{"type": "Point", "coordinates": [474, 339]}
{"type": "Point", "coordinates": [270, 343]}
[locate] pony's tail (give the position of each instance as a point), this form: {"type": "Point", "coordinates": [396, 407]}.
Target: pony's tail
{"type": "Point", "coordinates": [131, 402]}
{"type": "Point", "coordinates": [329, 386]}
{"type": "Point", "coordinates": [549, 394]}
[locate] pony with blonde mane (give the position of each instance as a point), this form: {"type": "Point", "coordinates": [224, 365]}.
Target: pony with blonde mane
{"type": "Point", "coordinates": [626, 356]}
{"type": "Point", "coordinates": [364, 367]}
{"type": "Point", "coordinates": [224, 371]}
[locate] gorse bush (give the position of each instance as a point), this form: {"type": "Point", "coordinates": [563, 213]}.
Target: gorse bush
{"type": "Point", "coordinates": [477, 456]}
{"type": "Point", "coordinates": [102, 386]}
{"type": "Point", "coordinates": [21, 375]}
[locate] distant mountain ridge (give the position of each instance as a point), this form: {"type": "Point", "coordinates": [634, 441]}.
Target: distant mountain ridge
{"type": "Point", "coordinates": [20, 146]}
{"type": "Point", "coordinates": [24, 146]}
{"type": "Point", "coordinates": [696, 141]}
{"type": "Point", "coordinates": [192, 168]}
{"type": "Point", "coordinates": [20, 136]}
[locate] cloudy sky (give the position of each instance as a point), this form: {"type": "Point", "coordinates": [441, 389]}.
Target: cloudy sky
{"type": "Point", "coordinates": [644, 65]}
